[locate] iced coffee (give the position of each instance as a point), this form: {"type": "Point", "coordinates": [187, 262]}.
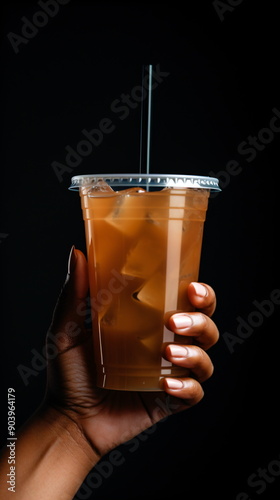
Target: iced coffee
{"type": "Point", "coordinates": [143, 249]}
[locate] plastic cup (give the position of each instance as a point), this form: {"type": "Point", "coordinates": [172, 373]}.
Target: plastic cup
{"type": "Point", "coordinates": [143, 247]}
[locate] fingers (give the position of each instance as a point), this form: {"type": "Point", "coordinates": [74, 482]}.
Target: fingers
{"type": "Point", "coordinates": [187, 392]}
{"type": "Point", "coordinates": [196, 325]}
{"type": "Point", "coordinates": [67, 327]}
{"type": "Point", "coordinates": [192, 357]}
{"type": "Point", "coordinates": [204, 333]}
{"type": "Point", "coordinates": [202, 297]}
{"type": "Point", "coordinates": [76, 284]}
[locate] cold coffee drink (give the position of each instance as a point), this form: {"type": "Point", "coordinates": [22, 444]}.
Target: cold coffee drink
{"type": "Point", "coordinates": [143, 250]}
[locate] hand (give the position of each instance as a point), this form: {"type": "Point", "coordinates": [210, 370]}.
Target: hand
{"type": "Point", "coordinates": [108, 418]}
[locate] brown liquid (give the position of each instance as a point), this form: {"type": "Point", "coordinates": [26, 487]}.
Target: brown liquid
{"type": "Point", "coordinates": [143, 251]}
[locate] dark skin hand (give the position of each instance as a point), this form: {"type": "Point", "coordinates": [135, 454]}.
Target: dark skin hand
{"type": "Point", "coordinates": [108, 418]}
{"type": "Point", "coordinates": [78, 422]}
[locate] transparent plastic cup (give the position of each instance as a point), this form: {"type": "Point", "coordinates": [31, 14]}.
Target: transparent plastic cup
{"type": "Point", "coordinates": [144, 236]}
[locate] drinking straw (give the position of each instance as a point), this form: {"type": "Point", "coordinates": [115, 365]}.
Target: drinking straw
{"type": "Point", "coordinates": [145, 123]}
{"type": "Point", "coordinates": [149, 118]}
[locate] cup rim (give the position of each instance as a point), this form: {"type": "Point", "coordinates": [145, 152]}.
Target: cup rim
{"type": "Point", "coordinates": [147, 180]}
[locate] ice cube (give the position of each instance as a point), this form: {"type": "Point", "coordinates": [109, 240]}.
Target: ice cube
{"type": "Point", "coordinates": [153, 292]}
{"type": "Point", "coordinates": [129, 212]}
{"type": "Point", "coordinates": [131, 317]}
{"type": "Point", "coordinates": [132, 191]}
{"type": "Point", "coordinates": [100, 188]}
{"type": "Point", "coordinates": [136, 263]}
{"type": "Point", "coordinates": [108, 254]}
{"type": "Point", "coordinates": [157, 207]}
{"type": "Point", "coordinates": [148, 253]}
{"type": "Point", "coordinates": [153, 342]}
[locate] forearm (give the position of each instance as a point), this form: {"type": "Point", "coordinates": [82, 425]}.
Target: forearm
{"type": "Point", "coordinates": [51, 461]}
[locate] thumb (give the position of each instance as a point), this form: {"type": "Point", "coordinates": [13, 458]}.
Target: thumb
{"type": "Point", "coordinates": [67, 327]}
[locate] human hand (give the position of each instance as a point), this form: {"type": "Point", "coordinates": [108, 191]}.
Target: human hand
{"type": "Point", "coordinates": [107, 418]}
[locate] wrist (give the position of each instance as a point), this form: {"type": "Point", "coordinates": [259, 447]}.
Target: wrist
{"type": "Point", "coordinates": [53, 457]}
{"type": "Point", "coordinates": [66, 430]}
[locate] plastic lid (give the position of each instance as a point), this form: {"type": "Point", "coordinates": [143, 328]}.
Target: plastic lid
{"type": "Point", "coordinates": [147, 180]}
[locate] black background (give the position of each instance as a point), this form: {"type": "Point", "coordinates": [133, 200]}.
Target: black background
{"type": "Point", "coordinates": [222, 87]}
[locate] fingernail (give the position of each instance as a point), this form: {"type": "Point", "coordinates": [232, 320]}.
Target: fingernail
{"type": "Point", "coordinates": [173, 383]}
{"type": "Point", "coordinates": [72, 260]}
{"type": "Point", "coordinates": [178, 351]}
{"type": "Point", "coordinates": [200, 290]}
{"type": "Point", "coordinates": [182, 320]}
